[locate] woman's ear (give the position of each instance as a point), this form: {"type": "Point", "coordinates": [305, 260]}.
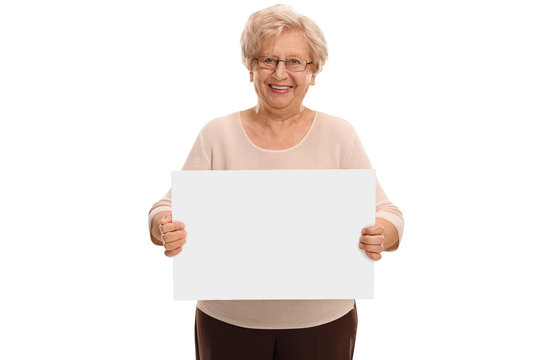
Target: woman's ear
{"type": "Point", "coordinates": [312, 82]}
{"type": "Point", "coordinates": [251, 76]}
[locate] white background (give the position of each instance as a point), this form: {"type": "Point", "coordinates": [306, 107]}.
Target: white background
{"type": "Point", "coordinates": [100, 100]}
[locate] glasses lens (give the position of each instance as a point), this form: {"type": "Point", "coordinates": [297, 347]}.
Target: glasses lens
{"type": "Point", "coordinates": [295, 64]}
{"type": "Point", "coordinates": [267, 62]}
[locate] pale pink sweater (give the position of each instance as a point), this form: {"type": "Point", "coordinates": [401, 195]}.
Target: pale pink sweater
{"type": "Point", "coordinates": [331, 143]}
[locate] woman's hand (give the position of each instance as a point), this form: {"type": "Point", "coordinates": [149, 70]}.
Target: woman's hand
{"type": "Point", "coordinates": [173, 235]}
{"type": "Point", "coordinates": [372, 241]}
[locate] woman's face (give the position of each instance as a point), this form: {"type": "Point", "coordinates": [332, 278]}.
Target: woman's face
{"type": "Point", "coordinates": [289, 43]}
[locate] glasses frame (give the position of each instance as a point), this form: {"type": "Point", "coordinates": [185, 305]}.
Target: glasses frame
{"type": "Point", "coordinates": [277, 63]}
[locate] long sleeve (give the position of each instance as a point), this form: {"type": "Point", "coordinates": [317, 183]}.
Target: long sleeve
{"type": "Point", "coordinates": [356, 158]}
{"type": "Point", "coordinates": [196, 160]}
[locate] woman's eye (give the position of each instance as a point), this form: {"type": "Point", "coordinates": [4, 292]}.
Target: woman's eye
{"type": "Point", "coordinates": [269, 60]}
{"type": "Point", "coordinates": [294, 61]}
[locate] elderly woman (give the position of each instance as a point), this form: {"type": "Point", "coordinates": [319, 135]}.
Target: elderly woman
{"type": "Point", "coordinates": [283, 51]}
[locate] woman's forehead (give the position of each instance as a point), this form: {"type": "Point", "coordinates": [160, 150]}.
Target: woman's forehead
{"type": "Point", "coordinates": [288, 43]}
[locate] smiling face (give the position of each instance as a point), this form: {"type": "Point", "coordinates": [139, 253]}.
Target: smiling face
{"type": "Point", "coordinates": [282, 90]}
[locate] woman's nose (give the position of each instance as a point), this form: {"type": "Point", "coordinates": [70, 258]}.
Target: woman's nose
{"type": "Point", "coordinates": [281, 70]}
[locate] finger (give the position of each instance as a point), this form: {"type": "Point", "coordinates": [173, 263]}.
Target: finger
{"type": "Point", "coordinates": [174, 235]}
{"type": "Point", "coordinates": [376, 229]}
{"type": "Point", "coordinates": [371, 248]}
{"type": "Point", "coordinates": [166, 219]}
{"type": "Point", "coordinates": [172, 226]}
{"type": "Point", "coordinates": [372, 239]}
{"type": "Point", "coordinates": [173, 245]}
{"type": "Point", "coordinates": [374, 256]}
{"type": "Point", "coordinates": [173, 252]}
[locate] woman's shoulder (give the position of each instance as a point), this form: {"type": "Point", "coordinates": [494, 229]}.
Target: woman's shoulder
{"type": "Point", "coordinates": [334, 124]}
{"type": "Point", "coordinates": [220, 125]}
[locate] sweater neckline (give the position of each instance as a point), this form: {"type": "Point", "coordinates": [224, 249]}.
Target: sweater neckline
{"type": "Point", "coordinates": [239, 119]}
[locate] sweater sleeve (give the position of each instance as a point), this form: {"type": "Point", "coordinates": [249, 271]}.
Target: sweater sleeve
{"type": "Point", "coordinates": [196, 160]}
{"type": "Point", "coordinates": [356, 158]}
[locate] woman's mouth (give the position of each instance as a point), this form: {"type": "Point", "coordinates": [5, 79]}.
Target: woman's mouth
{"type": "Point", "coordinates": [279, 89]}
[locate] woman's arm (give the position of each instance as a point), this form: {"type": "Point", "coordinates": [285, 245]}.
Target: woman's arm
{"type": "Point", "coordinates": [196, 160]}
{"type": "Point", "coordinates": [392, 222]}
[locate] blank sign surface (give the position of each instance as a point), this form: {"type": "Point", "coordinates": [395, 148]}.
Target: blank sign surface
{"type": "Point", "coordinates": [273, 234]}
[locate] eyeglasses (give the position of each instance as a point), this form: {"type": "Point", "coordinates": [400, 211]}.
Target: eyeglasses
{"type": "Point", "coordinates": [291, 63]}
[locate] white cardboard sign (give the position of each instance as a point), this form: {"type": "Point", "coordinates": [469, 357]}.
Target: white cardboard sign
{"type": "Point", "coordinates": [273, 234]}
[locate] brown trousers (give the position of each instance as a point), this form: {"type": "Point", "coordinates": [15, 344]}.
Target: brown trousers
{"type": "Point", "coordinates": [218, 340]}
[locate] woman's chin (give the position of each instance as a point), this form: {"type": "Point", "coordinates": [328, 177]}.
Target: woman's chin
{"type": "Point", "coordinates": [280, 104]}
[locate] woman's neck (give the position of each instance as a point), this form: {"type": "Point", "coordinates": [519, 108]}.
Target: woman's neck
{"type": "Point", "coordinates": [279, 119]}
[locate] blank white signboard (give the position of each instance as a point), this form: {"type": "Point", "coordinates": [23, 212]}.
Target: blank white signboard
{"type": "Point", "coordinates": [273, 234]}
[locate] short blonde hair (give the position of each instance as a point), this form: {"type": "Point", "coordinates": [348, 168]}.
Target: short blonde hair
{"type": "Point", "coordinates": [271, 22]}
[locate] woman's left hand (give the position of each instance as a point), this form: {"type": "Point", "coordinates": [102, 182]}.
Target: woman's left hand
{"type": "Point", "coordinates": [372, 241]}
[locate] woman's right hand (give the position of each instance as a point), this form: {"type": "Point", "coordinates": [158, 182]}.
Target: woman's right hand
{"type": "Point", "coordinates": [173, 235]}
